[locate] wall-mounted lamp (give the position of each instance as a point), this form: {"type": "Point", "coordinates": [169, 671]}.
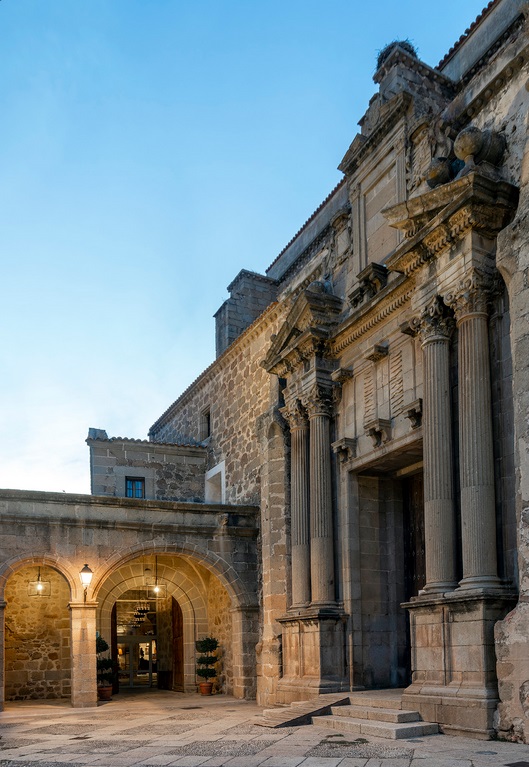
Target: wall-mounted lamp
{"type": "Point", "coordinates": [86, 578]}
{"type": "Point", "coordinates": [39, 588]}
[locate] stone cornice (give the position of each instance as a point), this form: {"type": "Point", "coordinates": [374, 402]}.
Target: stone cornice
{"type": "Point", "coordinates": [390, 300]}
{"type": "Point", "coordinates": [436, 220]}
{"type": "Point", "coordinates": [364, 145]}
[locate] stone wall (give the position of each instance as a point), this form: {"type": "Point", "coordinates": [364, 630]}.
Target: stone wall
{"type": "Point", "coordinates": [37, 642]}
{"type": "Point", "coordinates": [235, 390]}
{"type": "Point", "coordinates": [220, 627]}
{"type": "Point", "coordinates": [251, 293]}
{"type": "Point", "coordinates": [171, 472]}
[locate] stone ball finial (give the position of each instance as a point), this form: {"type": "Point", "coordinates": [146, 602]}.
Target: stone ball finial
{"type": "Point", "coordinates": [439, 172]}
{"type": "Point", "coordinates": [468, 144]}
{"type": "Point", "coordinates": [474, 146]}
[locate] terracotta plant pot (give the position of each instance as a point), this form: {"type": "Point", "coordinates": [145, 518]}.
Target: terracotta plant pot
{"type": "Point", "coordinates": [205, 688]}
{"type": "Point", "coordinates": [104, 692]}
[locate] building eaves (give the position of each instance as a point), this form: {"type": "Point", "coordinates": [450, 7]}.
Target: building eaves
{"type": "Point", "coordinates": [181, 442]}
{"type": "Point", "coordinates": [307, 222]}
{"type": "Point", "coordinates": [203, 377]}
{"type": "Point", "coordinates": [477, 21]}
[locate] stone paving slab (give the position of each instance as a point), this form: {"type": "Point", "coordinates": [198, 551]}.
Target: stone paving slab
{"type": "Point", "coordinates": [163, 729]}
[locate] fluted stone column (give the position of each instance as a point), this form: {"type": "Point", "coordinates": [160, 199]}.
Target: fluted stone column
{"type": "Point", "coordinates": [439, 519]}
{"type": "Point", "coordinates": [300, 526]}
{"type": "Point", "coordinates": [319, 407]}
{"type": "Point", "coordinates": [478, 507]}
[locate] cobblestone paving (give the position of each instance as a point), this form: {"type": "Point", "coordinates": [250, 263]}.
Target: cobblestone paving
{"type": "Point", "coordinates": [159, 729]}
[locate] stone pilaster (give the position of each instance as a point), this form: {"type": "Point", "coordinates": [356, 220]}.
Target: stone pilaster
{"type": "Point", "coordinates": [478, 509]}
{"type": "Point", "coordinates": [436, 328]}
{"type": "Point", "coordinates": [83, 653]}
{"type": "Point", "coordinates": [319, 407]}
{"type": "Point", "coordinates": [300, 528]}
{"type": "Point", "coordinates": [3, 606]}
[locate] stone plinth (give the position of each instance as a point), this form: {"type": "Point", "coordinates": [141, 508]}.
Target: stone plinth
{"type": "Point", "coordinates": [313, 655]}
{"type": "Point", "coordinates": [454, 660]}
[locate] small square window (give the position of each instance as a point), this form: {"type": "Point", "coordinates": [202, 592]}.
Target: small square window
{"type": "Point", "coordinates": [135, 487]}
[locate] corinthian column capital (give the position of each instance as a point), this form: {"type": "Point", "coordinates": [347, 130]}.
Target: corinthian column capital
{"type": "Point", "coordinates": [434, 323]}
{"type": "Point", "coordinates": [295, 414]}
{"type": "Point", "coordinates": [471, 296]}
{"type": "Point", "coordinates": [318, 401]}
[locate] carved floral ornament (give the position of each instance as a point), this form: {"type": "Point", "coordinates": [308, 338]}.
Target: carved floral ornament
{"type": "Point", "coordinates": [472, 295]}
{"type": "Point", "coordinates": [295, 414]}
{"type": "Point", "coordinates": [434, 322]}
{"type": "Point", "coordinates": [319, 401]}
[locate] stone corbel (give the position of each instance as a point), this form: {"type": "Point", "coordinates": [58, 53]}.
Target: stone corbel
{"type": "Point", "coordinates": [371, 280]}
{"type": "Point", "coordinates": [414, 413]}
{"type": "Point", "coordinates": [377, 352]}
{"type": "Point", "coordinates": [379, 429]}
{"type": "Point", "coordinates": [339, 377]}
{"type": "Point", "coordinates": [345, 449]}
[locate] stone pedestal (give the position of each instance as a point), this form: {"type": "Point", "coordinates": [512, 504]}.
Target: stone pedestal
{"type": "Point", "coordinates": [313, 655]}
{"type": "Point", "coordinates": [454, 661]}
{"type": "Point", "coordinates": [83, 654]}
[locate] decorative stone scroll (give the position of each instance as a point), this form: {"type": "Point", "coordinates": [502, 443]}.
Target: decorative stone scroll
{"type": "Point", "coordinates": [379, 430]}
{"type": "Point", "coordinates": [345, 449]}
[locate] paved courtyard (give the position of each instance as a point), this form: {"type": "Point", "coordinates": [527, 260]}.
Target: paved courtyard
{"type": "Point", "coordinates": [155, 728]}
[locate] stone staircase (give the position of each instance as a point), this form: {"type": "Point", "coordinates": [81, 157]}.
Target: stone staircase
{"type": "Point", "coordinates": [378, 713]}
{"type": "Point", "coordinates": [301, 712]}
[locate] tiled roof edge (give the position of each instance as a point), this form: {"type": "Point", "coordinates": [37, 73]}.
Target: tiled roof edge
{"type": "Point", "coordinates": [477, 21]}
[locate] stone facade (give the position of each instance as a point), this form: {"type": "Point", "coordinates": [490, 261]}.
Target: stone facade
{"type": "Point", "coordinates": [370, 399]}
{"type": "Point", "coordinates": [386, 432]}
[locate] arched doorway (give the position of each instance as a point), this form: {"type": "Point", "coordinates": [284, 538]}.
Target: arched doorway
{"type": "Point", "coordinates": [152, 636]}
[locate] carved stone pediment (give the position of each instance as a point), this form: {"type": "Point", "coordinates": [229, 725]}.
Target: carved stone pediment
{"type": "Point", "coordinates": [434, 221]}
{"type": "Point", "coordinates": [308, 326]}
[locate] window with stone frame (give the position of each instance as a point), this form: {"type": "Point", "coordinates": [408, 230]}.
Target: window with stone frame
{"type": "Point", "coordinates": [134, 487]}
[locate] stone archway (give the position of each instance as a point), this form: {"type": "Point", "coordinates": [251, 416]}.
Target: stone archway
{"type": "Point", "coordinates": [205, 607]}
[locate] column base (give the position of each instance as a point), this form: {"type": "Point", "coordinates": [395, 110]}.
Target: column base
{"type": "Point", "coordinates": [481, 582]}
{"type": "Point", "coordinates": [440, 587]}
{"type": "Point", "coordinates": [313, 654]}
{"type": "Point", "coordinates": [453, 659]}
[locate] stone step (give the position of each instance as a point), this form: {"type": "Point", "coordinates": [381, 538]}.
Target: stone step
{"type": "Point", "coordinates": [397, 716]}
{"type": "Point", "coordinates": [302, 711]}
{"type": "Point", "coordinates": [378, 698]}
{"type": "Point", "coordinates": [377, 729]}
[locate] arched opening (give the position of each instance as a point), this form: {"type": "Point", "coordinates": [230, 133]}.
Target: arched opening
{"type": "Point", "coordinates": [152, 635]}
{"type": "Point", "coordinates": [37, 635]}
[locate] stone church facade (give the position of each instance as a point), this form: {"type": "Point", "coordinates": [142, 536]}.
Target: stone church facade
{"type": "Point", "coordinates": [343, 494]}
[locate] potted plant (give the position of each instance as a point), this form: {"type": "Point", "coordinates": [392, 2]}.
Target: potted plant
{"type": "Point", "coordinates": [105, 670]}
{"type": "Point", "coordinates": [206, 662]}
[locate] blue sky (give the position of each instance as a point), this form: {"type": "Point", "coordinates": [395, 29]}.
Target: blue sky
{"type": "Point", "coordinates": [149, 151]}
